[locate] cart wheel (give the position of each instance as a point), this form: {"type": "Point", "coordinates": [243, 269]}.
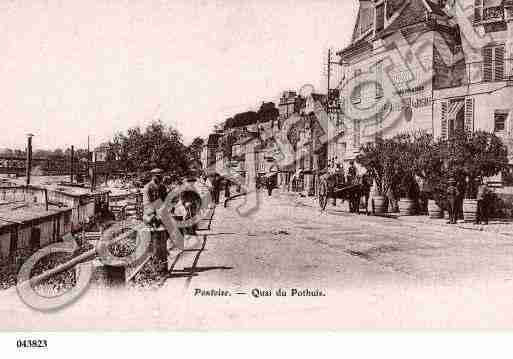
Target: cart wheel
{"type": "Point", "coordinates": [323, 196]}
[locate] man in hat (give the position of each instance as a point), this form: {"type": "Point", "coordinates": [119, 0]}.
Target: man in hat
{"type": "Point", "coordinates": [483, 193]}
{"type": "Point", "coordinates": [152, 198]}
{"type": "Point", "coordinates": [452, 200]}
{"type": "Point", "coordinates": [216, 188]}
{"type": "Point", "coordinates": [351, 173]}
{"type": "Point", "coordinates": [227, 185]}
{"type": "Point", "coordinates": [269, 183]}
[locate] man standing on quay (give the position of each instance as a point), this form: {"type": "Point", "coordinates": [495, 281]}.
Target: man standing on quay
{"type": "Point", "coordinates": [482, 203]}
{"type": "Point", "coordinates": [452, 200]}
{"type": "Point", "coordinates": [351, 173]}
{"type": "Point", "coordinates": [152, 195]}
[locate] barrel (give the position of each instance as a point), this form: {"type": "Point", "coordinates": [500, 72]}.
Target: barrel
{"type": "Point", "coordinates": [406, 207]}
{"type": "Point", "coordinates": [434, 210]}
{"type": "Point", "coordinates": [469, 210]}
{"type": "Point", "coordinates": [379, 204]}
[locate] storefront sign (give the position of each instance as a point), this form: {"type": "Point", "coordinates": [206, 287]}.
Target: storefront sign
{"type": "Point", "coordinates": [409, 102]}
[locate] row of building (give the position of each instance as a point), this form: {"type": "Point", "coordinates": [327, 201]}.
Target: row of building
{"type": "Point", "coordinates": [437, 66]}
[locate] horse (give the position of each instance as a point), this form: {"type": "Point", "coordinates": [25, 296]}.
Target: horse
{"type": "Point", "coordinates": [352, 192]}
{"type": "Point", "coordinates": [362, 191]}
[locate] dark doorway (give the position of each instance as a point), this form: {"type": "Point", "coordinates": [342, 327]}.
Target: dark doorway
{"type": "Point", "coordinates": [456, 117]}
{"type": "Point", "coordinates": [35, 238]}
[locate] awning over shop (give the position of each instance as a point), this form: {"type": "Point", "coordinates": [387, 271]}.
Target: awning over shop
{"type": "Point", "coordinates": [454, 108]}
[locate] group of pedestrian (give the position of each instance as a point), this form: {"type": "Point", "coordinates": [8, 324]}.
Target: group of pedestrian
{"type": "Point", "coordinates": [216, 184]}
{"type": "Point", "coordinates": [155, 193]}
{"type": "Point", "coordinates": [454, 199]}
{"type": "Point", "coordinates": [454, 193]}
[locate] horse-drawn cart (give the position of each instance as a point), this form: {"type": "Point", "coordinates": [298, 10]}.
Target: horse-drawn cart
{"type": "Point", "coordinates": [330, 186]}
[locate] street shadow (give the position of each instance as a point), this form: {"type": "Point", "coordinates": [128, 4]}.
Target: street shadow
{"type": "Point", "coordinates": [194, 270]}
{"type": "Point", "coordinates": [500, 221]}
{"type": "Point", "coordinates": [181, 274]}
{"type": "Point", "coordinates": [206, 269]}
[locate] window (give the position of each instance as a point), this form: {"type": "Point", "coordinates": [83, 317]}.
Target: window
{"type": "Point", "coordinates": [469, 114]}
{"type": "Point", "coordinates": [13, 246]}
{"type": "Point", "coordinates": [500, 121]}
{"type": "Point", "coordinates": [380, 17]}
{"type": "Point", "coordinates": [378, 70]}
{"type": "Point", "coordinates": [378, 126]}
{"type": "Point", "coordinates": [443, 118]}
{"type": "Point", "coordinates": [366, 21]}
{"type": "Point", "coordinates": [356, 133]}
{"type": "Point", "coordinates": [356, 96]}
{"type": "Point", "coordinates": [341, 149]}
{"type": "Point", "coordinates": [509, 13]}
{"type": "Point", "coordinates": [35, 238]}
{"type": "Point", "coordinates": [488, 10]}
{"type": "Point", "coordinates": [493, 10]}
{"type": "Point", "coordinates": [478, 10]}
{"type": "Point", "coordinates": [493, 63]}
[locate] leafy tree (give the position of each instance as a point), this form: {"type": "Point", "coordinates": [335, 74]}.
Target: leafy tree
{"type": "Point", "coordinates": [156, 146]}
{"type": "Point", "coordinates": [268, 112]}
{"type": "Point", "coordinates": [385, 160]}
{"type": "Point", "coordinates": [473, 156]}
{"type": "Point", "coordinates": [58, 152]}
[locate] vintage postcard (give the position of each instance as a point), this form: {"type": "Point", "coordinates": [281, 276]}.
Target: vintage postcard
{"type": "Point", "coordinates": [207, 165]}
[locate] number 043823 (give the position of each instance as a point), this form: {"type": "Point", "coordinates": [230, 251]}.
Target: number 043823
{"type": "Point", "coordinates": [31, 343]}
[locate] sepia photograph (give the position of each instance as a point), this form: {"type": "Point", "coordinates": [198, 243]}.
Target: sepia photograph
{"type": "Point", "coordinates": [200, 165]}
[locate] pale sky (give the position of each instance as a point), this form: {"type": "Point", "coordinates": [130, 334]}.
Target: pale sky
{"type": "Point", "coordinates": [73, 68]}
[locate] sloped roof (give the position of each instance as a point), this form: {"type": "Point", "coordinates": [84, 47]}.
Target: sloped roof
{"type": "Point", "coordinates": [403, 13]}
{"type": "Point", "coordinates": [414, 12]}
{"type": "Point", "coordinates": [393, 6]}
{"type": "Point", "coordinates": [24, 212]}
{"type": "Point", "coordinates": [356, 48]}
{"type": "Point", "coordinates": [249, 136]}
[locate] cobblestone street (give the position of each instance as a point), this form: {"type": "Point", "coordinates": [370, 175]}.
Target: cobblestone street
{"type": "Point", "coordinates": [376, 272]}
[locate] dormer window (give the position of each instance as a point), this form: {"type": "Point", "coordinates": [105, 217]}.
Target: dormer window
{"type": "Point", "coordinates": [488, 10]}
{"type": "Point", "coordinates": [366, 21]}
{"type": "Point", "coordinates": [478, 10]}
{"type": "Point", "coordinates": [380, 17]}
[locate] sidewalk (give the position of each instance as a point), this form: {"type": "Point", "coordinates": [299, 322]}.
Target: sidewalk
{"type": "Point", "coordinates": [499, 226]}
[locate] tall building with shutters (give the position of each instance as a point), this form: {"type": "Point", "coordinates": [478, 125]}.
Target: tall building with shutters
{"type": "Point", "coordinates": [437, 66]}
{"type": "Point", "coordinates": [481, 95]}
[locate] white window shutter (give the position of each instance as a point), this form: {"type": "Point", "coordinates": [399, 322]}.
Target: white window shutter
{"type": "Point", "coordinates": [487, 64]}
{"type": "Point", "coordinates": [356, 134]}
{"type": "Point", "coordinates": [499, 63]}
{"type": "Point", "coordinates": [443, 117]}
{"type": "Point", "coordinates": [469, 114]}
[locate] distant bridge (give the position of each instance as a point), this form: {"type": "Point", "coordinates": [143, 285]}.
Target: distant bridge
{"type": "Point", "coordinates": [45, 166]}
{"type": "Point", "coordinates": [54, 166]}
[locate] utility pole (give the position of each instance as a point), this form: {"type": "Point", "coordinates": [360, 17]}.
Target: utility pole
{"type": "Point", "coordinates": [330, 108]}
{"type": "Point", "coordinates": [72, 167]}
{"type": "Point", "coordinates": [91, 166]}
{"type": "Point", "coordinates": [329, 76]}
{"type": "Point", "coordinates": [29, 157]}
